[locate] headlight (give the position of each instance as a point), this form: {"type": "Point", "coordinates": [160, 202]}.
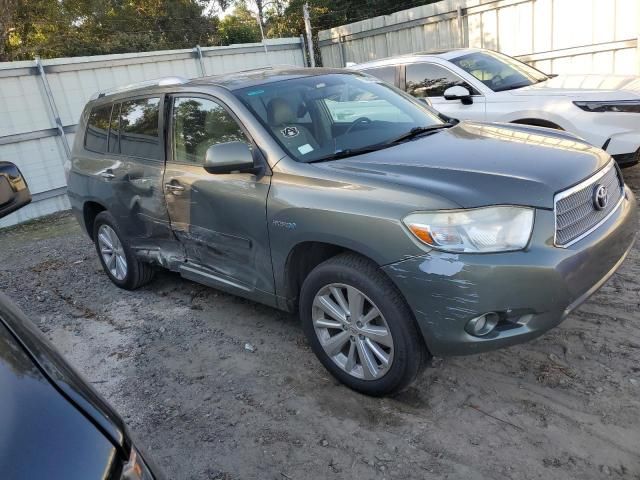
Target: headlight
{"type": "Point", "coordinates": [621, 106]}
{"type": "Point", "coordinates": [478, 230]}
{"type": "Point", "coordinates": [135, 468]}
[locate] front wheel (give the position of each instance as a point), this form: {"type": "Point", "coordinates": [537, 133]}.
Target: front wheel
{"type": "Point", "coordinates": [120, 264]}
{"type": "Point", "coordinates": [360, 327]}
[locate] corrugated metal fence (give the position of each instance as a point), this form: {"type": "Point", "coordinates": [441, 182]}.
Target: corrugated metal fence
{"type": "Point", "coordinates": [557, 36]}
{"type": "Point", "coordinates": [41, 102]}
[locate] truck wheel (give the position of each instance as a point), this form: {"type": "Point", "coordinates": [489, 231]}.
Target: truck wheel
{"type": "Point", "coordinates": [360, 327]}
{"type": "Point", "coordinates": [119, 262]}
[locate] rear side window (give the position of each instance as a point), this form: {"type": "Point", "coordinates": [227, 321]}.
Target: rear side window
{"type": "Point", "coordinates": [386, 74]}
{"type": "Point", "coordinates": [429, 80]}
{"type": "Point", "coordinates": [139, 132]}
{"type": "Point", "coordinates": [97, 133]}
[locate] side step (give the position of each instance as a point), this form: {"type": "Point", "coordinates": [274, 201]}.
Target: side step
{"type": "Point", "coordinates": [211, 279]}
{"type": "Point", "coordinates": [215, 280]}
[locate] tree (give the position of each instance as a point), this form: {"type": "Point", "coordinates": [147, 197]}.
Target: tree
{"type": "Point", "coordinates": [55, 28]}
{"type": "Point", "coordinates": [8, 9]}
{"type": "Point", "coordinates": [239, 27]}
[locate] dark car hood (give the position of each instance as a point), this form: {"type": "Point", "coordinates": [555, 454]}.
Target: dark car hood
{"type": "Point", "coordinates": [475, 164]}
{"type": "Point", "coordinates": [29, 361]}
{"type": "Point", "coordinates": [42, 434]}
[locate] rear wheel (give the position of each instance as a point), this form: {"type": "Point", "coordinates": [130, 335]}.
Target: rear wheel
{"type": "Point", "coordinates": [360, 327]}
{"type": "Point", "coordinates": [120, 264]}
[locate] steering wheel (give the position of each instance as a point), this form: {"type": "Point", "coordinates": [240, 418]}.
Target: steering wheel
{"type": "Point", "coordinates": [496, 81]}
{"type": "Point", "coordinates": [357, 121]}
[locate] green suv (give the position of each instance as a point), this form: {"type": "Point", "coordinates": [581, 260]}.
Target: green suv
{"type": "Point", "coordinates": [396, 234]}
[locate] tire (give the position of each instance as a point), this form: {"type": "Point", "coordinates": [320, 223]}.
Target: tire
{"type": "Point", "coordinates": [402, 344]}
{"type": "Point", "coordinates": [136, 273]}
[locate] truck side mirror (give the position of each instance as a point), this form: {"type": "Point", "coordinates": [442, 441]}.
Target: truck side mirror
{"type": "Point", "coordinates": [229, 157]}
{"type": "Point", "coordinates": [458, 92]}
{"type": "Point", "coordinates": [14, 192]}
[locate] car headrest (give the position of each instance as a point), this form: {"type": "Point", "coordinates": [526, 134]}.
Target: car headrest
{"type": "Point", "coordinates": [279, 112]}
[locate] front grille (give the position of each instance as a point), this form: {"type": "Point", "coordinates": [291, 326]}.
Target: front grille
{"type": "Point", "coordinates": [575, 209]}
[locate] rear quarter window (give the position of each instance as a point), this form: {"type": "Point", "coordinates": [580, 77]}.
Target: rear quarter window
{"type": "Point", "coordinates": [97, 133]}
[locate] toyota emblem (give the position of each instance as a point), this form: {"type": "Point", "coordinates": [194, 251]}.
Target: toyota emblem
{"type": "Point", "coordinates": [600, 197]}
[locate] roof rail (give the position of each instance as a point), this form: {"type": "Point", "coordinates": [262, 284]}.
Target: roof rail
{"type": "Point", "coordinates": [159, 82]}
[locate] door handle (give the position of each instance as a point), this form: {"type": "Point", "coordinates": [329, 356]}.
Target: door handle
{"type": "Point", "coordinates": [172, 188]}
{"type": "Point", "coordinates": [108, 175]}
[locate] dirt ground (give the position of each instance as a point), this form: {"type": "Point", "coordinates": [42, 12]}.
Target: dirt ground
{"type": "Point", "coordinates": [171, 358]}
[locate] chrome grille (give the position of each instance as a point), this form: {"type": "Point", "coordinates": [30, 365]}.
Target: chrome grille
{"type": "Point", "coordinates": [576, 214]}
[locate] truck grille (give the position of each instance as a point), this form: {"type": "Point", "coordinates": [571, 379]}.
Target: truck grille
{"type": "Point", "coordinates": [576, 211]}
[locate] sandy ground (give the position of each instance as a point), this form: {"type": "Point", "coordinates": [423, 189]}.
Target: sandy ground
{"type": "Point", "coordinates": [171, 358]}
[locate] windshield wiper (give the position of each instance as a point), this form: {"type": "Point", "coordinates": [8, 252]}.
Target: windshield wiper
{"type": "Point", "coordinates": [414, 132]}
{"type": "Point", "coordinates": [417, 131]}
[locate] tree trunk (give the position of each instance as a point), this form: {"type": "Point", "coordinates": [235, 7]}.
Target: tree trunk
{"type": "Point", "coordinates": [260, 5]}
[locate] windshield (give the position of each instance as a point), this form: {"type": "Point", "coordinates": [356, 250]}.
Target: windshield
{"type": "Point", "coordinates": [499, 72]}
{"type": "Point", "coordinates": [335, 115]}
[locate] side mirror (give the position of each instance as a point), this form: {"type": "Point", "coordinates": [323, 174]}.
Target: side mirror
{"type": "Point", "coordinates": [228, 157]}
{"type": "Point", "coordinates": [14, 192]}
{"type": "Point", "coordinates": [458, 93]}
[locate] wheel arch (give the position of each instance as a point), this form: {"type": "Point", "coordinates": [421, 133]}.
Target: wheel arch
{"type": "Point", "coordinates": [303, 257]}
{"type": "Point", "coordinates": [90, 210]}
{"type": "Point", "coordinates": [538, 122]}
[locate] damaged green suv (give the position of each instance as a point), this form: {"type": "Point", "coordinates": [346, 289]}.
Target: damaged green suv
{"type": "Point", "coordinates": [395, 234]}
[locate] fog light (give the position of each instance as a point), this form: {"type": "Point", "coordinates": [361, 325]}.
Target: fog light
{"type": "Point", "coordinates": [482, 325]}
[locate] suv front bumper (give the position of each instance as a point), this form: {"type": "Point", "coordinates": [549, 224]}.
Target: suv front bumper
{"type": "Point", "coordinates": [531, 290]}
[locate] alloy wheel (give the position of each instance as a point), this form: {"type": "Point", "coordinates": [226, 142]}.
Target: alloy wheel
{"type": "Point", "coordinates": [112, 252]}
{"type": "Point", "coordinates": [352, 331]}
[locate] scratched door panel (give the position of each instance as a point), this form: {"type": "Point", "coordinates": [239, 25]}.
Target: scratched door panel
{"type": "Point", "coordinates": [221, 221]}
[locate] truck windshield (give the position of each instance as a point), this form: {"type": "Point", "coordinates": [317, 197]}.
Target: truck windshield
{"type": "Point", "coordinates": [335, 115]}
{"type": "Point", "coordinates": [499, 72]}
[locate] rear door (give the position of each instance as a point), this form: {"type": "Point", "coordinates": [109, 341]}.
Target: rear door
{"type": "Point", "coordinates": [135, 172]}
{"type": "Point", "coordinates": [219, 218]}
{"type": "Point", "coordinates": [425, 79]}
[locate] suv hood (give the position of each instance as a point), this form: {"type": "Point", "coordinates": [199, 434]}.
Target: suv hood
{"type": "Point", "coordinates": [591, 87]}
{"type": "Point", "coordinates": [475, 164]}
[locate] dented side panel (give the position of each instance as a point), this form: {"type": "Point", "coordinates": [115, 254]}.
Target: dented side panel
{"type": "Point", "coordinates": [221, 222]}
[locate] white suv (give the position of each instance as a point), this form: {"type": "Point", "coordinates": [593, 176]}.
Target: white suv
{"type": "Point", "coordinates": [482, 85]}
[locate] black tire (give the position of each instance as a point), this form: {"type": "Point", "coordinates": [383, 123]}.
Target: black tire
{"type": "Point", "coordinates": [410, 353]}
{"type": "Point", "coordinates": [138, 273]}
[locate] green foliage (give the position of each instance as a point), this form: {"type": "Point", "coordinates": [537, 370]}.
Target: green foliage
{"type": "Point", "coordinates": [61, 28]}
{"type": "Point", "coordinates": [239, 27]}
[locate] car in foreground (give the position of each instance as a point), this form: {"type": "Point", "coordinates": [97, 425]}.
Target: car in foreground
{"type": "Point", "coordinates": [482, 85]}
{"type": "Point", "coordinates": [394, 235]}
{"type": "Point", "coordinates": [53, 425]}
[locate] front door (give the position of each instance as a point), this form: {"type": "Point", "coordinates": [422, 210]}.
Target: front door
{"type": "Point", "coordinates": [219, 218]}
{"type": "Point", "coordinates": [431, 80]}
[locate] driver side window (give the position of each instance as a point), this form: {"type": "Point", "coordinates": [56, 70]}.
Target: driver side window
{"type": "Point", "coordinates": [430, 80]}
{"type": "Point", "coordinates": [199, 123]}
